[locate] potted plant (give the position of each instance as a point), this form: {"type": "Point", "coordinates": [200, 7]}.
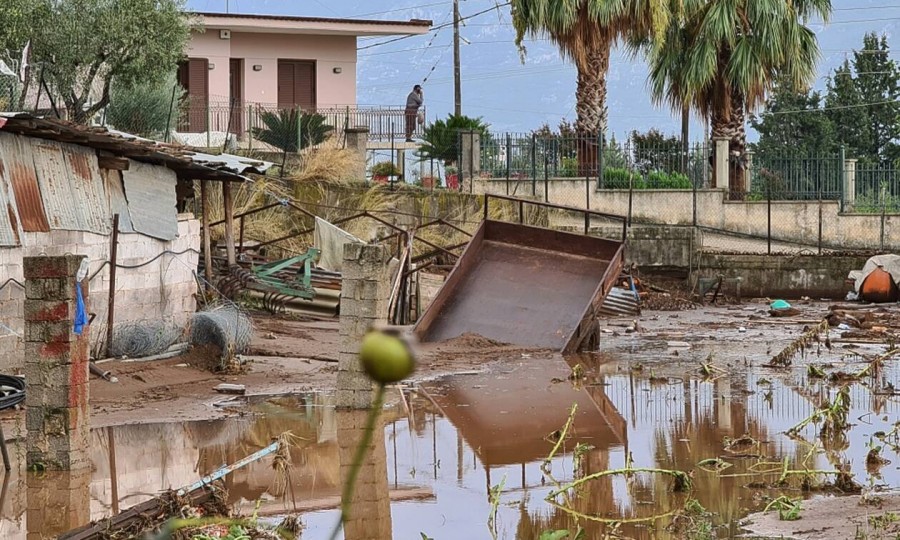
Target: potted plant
{"type": "Point", "coordinates": [430, 182]}
{"type": "Point", "coordinates": [452, 174]}
{"type": "Point", "coordinates": [382, 170]}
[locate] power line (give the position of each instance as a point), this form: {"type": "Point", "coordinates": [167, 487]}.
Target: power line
{"type": "Point", "coordinates": [410, 8]}
{"type": "Point", "coordinates": [435, 28]}
{"type": "Point", "coordinates": [838, 107]}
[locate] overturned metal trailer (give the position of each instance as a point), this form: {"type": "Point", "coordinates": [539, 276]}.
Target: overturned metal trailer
{"type": "Point", "coordinates": [526, 285]}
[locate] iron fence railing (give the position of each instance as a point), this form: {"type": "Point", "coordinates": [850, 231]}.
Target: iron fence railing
{"type": "Point", "coordinates": [383, 123]}
{"type": "Point", "coordinates": [612, 164]}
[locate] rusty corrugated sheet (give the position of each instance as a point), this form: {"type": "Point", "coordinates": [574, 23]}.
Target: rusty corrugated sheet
{"type": "Point", "coordinates": [150, 192]}
{"type": "Point", "coordinates": [71, 187]}
{"type": "Point", "coordinates": [18, 160]}
{"type": "Point", "coordinates": [9, 228]}
{"type": "Point", "coordinates": [115, 191]}
{"type": "Point", "coordinates": [620, 302]}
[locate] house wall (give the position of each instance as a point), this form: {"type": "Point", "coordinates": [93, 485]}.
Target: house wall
{"type": "Point", "coordinates": [265, 50]}
{"type": "Point", "coordinates": [160, 290]}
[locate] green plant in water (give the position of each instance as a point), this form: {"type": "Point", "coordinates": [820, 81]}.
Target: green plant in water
{"type": "Point", "coordinates": [494, 497]}
{"type": "Point", "coordinates": [563, 535]}
{"type": "Point", "coordinates": [788, 509]}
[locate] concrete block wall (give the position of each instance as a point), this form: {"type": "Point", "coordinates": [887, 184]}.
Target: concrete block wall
{"type": "Point", "coordinates": [163, 289]}
{"type": "Point", "coordinates": [369, 514]}
{"type": "Point", "coordinates": [365, 295]}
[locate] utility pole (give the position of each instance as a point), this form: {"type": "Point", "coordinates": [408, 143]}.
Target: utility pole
{"type": "Point", "coordinates": [457, 88]}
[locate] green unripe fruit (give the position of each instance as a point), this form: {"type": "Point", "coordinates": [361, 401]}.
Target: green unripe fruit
{"type": "Point", "coordinates": [385, 358]}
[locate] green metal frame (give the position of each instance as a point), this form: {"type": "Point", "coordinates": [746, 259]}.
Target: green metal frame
{"type": "Point", "coordinates": [301, 284]}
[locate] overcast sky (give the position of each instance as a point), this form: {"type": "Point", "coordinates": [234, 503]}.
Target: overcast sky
{"type": "Point", "coordinates": [510, 95]}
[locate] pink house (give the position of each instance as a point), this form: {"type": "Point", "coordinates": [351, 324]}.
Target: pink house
{"type": "Point", "coordinates": [239, 64]}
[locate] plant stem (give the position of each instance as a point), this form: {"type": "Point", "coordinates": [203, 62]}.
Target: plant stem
{"type": "Point", "coordinates": [358, 459]}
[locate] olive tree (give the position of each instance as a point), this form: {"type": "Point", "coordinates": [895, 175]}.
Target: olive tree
{"type": "Point", "coordinates": [80, 46]}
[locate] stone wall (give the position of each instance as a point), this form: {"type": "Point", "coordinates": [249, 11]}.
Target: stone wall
{"type": "Point", "coordinates": [163, 289]}
{"type": "Point", "coordinates": [796, 221]}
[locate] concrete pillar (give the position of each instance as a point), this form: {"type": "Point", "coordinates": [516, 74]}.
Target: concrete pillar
{"type": "Point", "coordinates": [850, 182]}
{"type": "Point", "coordinates": [57, 412]}
{"type": "Point", "coordinates": [720, 162]}
{"type": "Point", "coordinates": [365, 294]}
{"type": "Point", "coordinates": [401, 164]}
{"type": "Point", "coordinates": [723, 403]}
{"type": "Point", "coordinates": [57, 502]}
{"type": "Point", "coordinates": [470, 165]}
{"type": "Point", "coordinates": [357, 141]}
{"type": "Point", "coordinates": [369, 516]}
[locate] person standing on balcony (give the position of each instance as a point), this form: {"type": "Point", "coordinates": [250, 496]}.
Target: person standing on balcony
{"type": "Point", "coordinates": [413, 103]}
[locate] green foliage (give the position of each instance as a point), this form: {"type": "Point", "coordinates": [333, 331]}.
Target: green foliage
{"type": "Point", "coordinates": [877, 82]}
{"type": "Point", "coordinates": [787, 124]}
{"type": "Point", "coordinates": [145, 109]}
{"type": "Point", "coordinates": [440, 140]}
{"type": "Point", "coordinates": [289, 131]}
{"type": "Point", "coordinates": [655, 151]}
{"type": "Point", "coordinates": [562, 535]}
{"type": "Point", "coordinates": [788, 509]}
{"type": "Point", "coordinates": [663, 180]}
{"type": "Point", "coordinates": [843, 108]}
{"type": "Point", "coordinates": [235, 532]}
{"type": "Point", "coordinates": [569, 167]}
{"type": "Point", "coordinates": [86, 44]}
{"type": "Point", "coordinates": [621, 178]}
{"type": "Point", "coordinates": [385, 168]}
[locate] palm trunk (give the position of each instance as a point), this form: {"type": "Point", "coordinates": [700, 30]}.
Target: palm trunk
{"type": "Point", "coordinates": [731, 124]}
{"type": "Point", "coordinates": [590, 106]}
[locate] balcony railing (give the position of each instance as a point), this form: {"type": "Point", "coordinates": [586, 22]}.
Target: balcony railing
{"type": "Point", "coordinates": [384, 123]}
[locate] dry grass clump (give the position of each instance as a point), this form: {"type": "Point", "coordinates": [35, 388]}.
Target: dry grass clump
{"type": "Point", "coordinates": [330, 161]}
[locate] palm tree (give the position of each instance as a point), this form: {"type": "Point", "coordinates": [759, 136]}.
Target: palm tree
{"type": "Point", "coordinates": [725, 55]}
{"type": "Point", "coordinates": [585, 31]}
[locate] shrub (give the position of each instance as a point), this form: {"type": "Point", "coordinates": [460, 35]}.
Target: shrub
{"type": "Point", "coordinates": [569, 167]}
{"type": "Point", "coordinates": [284, 127]}
{"type": "Point", "coordinates": [440, 140]}
{"type": "Point", "coordinates": [145, 109]}
{"type": "Point", "coordinates": [663, 180]}
{"type": "Point", "coordinates": [618, 178]}
{"type": "Point", "coordinates": [385, 168]}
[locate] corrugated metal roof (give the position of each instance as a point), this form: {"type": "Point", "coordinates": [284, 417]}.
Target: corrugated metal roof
{"type": "Point", "coordinates": [115, 191]}
{"type": "Point", "coordinates": [71, 187]}
{"type": "Point", "coordinates": [180, 159]}
{"type": "Point", "coordinates": [16, 154]}
{"type": "Point", "coordinates": [150, 192]}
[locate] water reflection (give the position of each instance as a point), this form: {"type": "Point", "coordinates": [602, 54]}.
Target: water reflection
{"type": "Point", "coordinates": [436, 456]}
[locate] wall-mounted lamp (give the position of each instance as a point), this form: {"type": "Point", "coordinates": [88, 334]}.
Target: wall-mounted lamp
{"type": "Point", "coordinates": [212, 66]}
{"type": "Point", "coordinates": [337, 70]}
{"type": "Point", "coordinates": [257, 67]}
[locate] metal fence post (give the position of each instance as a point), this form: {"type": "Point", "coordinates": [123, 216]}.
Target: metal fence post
{"type": "Point", "coordinates": [250, 128]}
{"type": "Point", "coordinates": [533, 164]}
{"type": "Point", "coordinates": [546, 177]}
{"type": "Point", "coordinates": [883, 210]}
{"type": "Point", "coordinates": [600, 168]}
{"type": "Point", "coordinates": [508, 160]}
{"type": "Point", "coordinates": [630, 196]}
{"type": "Point", "coordinates": [843, 166]}
{"type": "Point", "coordinates": [208, 125]}
{"type": "Point", "coordinates": [819, 189]}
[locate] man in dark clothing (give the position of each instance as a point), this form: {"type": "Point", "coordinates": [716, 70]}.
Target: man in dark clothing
{"type": "Point", "coordinates": [413, 102]}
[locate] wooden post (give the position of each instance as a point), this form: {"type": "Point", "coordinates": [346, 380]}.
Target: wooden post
{"type": "Point", "coordinates": [113, 260]}
{"type": "Point", "coordinates": [207, 244]}
{"type": "Point", "coordinates": [229, 223]}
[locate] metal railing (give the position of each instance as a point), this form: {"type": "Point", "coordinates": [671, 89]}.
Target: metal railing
{"type": "Point", "coordinates": [613, 165]}
{"type": "Point", "coordinates": [383, 123]}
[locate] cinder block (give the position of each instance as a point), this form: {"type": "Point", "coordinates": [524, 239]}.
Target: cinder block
{"type": "Point", "coordinates": [48, 311]}
{"type": "Point", "coordinates": [51, 267]}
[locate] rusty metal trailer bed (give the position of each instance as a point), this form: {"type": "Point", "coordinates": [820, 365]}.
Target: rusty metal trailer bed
{"type": "Point", "coordinates": [526, 285]}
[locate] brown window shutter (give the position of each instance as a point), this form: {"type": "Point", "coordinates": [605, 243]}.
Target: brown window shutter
{"type": "Point", "coordinates": [286, 96]}
{"type": "Point", "coordinates": [198, 80]}
{"type": "Point", "coordinates": [305, 84]}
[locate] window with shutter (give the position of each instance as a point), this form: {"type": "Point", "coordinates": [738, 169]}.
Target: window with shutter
{"type": "Point", "coordinates": [193, 76]}
{"type": "Point", "coordinates": [297, 84]}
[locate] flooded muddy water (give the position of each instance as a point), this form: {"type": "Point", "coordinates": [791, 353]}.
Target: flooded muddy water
{"type": "Point", "coordinates": [442, 453]}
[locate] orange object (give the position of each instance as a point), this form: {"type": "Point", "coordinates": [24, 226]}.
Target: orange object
{"type": "Point", "coordinates": [879, 287]}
